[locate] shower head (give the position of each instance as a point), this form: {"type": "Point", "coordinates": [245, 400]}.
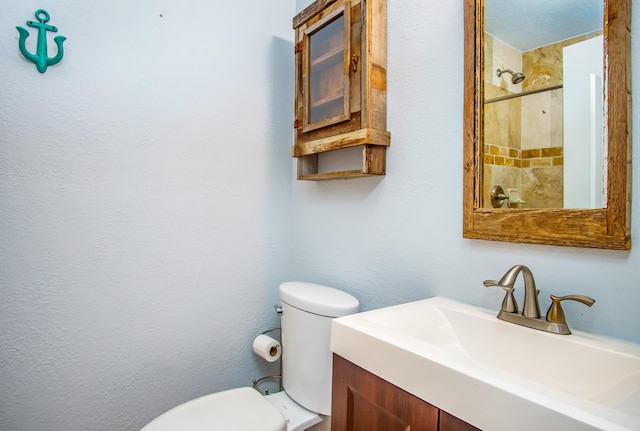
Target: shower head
{"type": "Point", "coordinates": [516, 77]}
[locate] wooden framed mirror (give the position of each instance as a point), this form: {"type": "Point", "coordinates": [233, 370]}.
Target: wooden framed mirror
{"type": "Point", "coordinates": [607, 224]}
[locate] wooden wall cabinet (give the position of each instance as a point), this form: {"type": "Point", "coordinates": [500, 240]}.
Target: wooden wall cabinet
{"type": "Point", "coordinates": [362, 401]}
{"type": "Point", "coordinates": [341, 85]}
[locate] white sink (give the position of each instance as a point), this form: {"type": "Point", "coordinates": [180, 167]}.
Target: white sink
{"type": "Point", "coordinates": [494, 374]}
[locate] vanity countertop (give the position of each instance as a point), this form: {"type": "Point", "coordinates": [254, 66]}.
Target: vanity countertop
{"type": "Point", "coordinates": [494, 374]}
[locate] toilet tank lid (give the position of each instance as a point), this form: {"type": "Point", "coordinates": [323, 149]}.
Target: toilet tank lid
{"type": "Point", "coordinates": [318, 299]}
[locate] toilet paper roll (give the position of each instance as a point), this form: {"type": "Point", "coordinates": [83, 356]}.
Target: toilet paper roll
{"type": "Point", "coordinates": [267, 348]}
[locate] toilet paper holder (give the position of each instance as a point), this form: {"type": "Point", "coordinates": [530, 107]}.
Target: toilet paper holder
{"type": "Point", "coordinates": [258, 382]}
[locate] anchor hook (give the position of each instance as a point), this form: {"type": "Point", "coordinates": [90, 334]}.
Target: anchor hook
{"type": "Point", "coordinates": [41, 58]}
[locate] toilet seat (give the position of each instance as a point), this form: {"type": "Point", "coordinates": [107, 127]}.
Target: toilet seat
{"type": "Point", "coordinates": [241, 409]}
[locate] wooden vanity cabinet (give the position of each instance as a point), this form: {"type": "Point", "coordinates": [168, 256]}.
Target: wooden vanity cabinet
{"type": "Point", "coordinates": [362, 401]}
{"type": "Point", "coordinates": [451, 423]}
{"type": "Point", "coordinates": [340, 85]}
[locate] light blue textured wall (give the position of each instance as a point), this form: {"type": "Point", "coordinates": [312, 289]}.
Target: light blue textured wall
{"type": "Point", "coordinates": [148, 207]}
{"type": "Point", "coordinates": [143, 207]}
{"type": "Point", "coordinates": [399, 238]}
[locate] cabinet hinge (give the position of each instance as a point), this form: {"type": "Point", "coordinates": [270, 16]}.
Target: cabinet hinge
{"type": "Point", "coordinates": [297, 47]}
{"type": "Point", "coordinates": [297, 123]}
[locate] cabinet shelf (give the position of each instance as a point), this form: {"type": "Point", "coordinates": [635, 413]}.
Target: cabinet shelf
{"type": "Point", "coordinates": [339, 175]}
{"type": "Point", "coordinates": [334, 52]}
{"type": "Point", "coordinates": [326, 100]}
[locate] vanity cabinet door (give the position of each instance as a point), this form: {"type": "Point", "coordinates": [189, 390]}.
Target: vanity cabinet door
{"type": "Point", "coordinates": [452, 423]}
{"type": "Point", "coordinates": [364, 402]}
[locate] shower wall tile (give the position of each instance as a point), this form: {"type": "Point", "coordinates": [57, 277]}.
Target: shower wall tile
{"type": "Point", "coordinates": [542, 120]}
{"type": "Point", "coordinates": [537, 173]}
{"type": "Point", "coordinates": [557, 118]}
{"type": "Point", "coordinates": [542, 187]}
{"type": "Point", "coordinates": [543, 66]}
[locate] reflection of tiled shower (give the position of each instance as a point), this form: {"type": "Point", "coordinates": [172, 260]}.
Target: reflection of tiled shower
{"type": "Point", "coordinates": [523, 133]}
{"type": "Point", "coordinates": [536, 167]}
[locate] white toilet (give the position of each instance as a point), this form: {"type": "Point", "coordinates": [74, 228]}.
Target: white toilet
{"type": "Point", "coordinates": [307, 311]}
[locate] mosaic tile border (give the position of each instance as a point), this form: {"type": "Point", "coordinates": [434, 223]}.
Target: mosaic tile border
{"type": "Point", "coordinates": [497, 155]}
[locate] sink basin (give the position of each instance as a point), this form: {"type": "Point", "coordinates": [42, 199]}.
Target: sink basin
{"type": "Point", "coordinates": [494, 374]}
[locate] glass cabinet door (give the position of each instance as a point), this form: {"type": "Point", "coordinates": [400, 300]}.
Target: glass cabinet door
{"type": "Point", "coordinates": [326, 69]}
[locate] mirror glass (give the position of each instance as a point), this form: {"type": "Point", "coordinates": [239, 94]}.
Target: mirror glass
{"type": "Point", "coordinates": [543, 104]}
{"type": "Point", "coordinates": [517, 115]}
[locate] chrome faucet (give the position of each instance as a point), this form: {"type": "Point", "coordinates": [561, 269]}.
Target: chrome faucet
{"type": "Point", "coordinates": [507, 282]}
{"type": "Point", "coordinates": [530, 317]}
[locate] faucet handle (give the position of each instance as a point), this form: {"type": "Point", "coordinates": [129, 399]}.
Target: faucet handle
{"type": "Point", "coordinates": [509, 303]}
{"type": "Point", "coordinates": [556, 314]}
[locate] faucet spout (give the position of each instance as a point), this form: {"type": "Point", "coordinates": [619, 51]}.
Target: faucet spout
{"type": "Point", "coordinates": [531, 308]}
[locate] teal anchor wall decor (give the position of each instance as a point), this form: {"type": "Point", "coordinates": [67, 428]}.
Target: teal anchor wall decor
{"type": "Point", "coordinates": [40, 58]}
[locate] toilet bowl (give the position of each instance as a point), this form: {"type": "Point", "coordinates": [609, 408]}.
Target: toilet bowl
{"type": "Point", "coordinates": [307, 311]}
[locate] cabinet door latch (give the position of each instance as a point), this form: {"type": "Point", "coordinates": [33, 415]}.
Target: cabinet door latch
{"type": "Point", "coordinates": [297, 123]}
{"type": "Point", "coordinates": [297, 47]}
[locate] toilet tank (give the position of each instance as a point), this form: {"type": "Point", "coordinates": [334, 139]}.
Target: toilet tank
{"type": "Point", "coordinates": [307, 311]}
